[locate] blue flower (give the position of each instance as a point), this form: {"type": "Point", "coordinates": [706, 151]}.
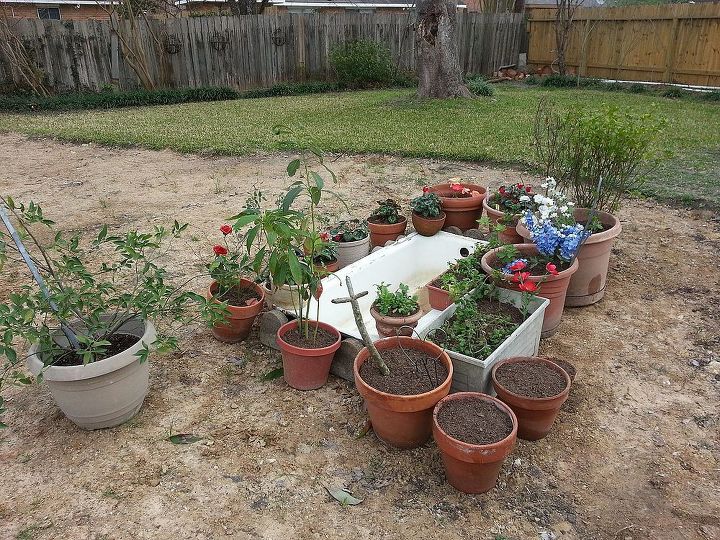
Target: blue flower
{"type": "Point", "coordinates": [547, 238]}
{"type": "Point", "coordinates": [506, 268]}
{"type": "Point", "coordinates": [572, 238]}
{"type": "Point", "coordinates": [529, 222]}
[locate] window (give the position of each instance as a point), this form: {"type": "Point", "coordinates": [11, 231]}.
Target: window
{"type": "Point", "coordinates": [49, 13]}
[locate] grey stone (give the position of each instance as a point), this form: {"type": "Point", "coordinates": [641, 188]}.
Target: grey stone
{"type": "Point", "coordinates": [342, 365]}
{"type": "Point", "coordinates": [476, 234]}
{"type": "Point", "coordinates": [270, 321]}
{"type": "Point", "coordinates": [453, 229]}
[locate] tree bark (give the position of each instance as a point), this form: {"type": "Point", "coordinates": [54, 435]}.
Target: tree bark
{"type": "Point", "coordinates": [438, 65]}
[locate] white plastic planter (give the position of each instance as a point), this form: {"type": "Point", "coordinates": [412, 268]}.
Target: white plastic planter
{"type": "Point", "coordinates": [349, 252]}
{"type": "Point", "coordinates": [473, 374]}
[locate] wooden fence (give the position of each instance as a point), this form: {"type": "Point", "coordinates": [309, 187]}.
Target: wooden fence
{"type": "Point", "coordinates": [666, 43]}
{"type": "Point", "coordinates": [250, 51]}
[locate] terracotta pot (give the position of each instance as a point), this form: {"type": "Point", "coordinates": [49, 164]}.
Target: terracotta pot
{"type": "Point", "coordinates": [509, 235]}
{"type": "Point", "coordinates": [402, 421]}
{"type": "Point", "coordinates": [329, 267]}
{"type": "Point", "coordinates": [461, 212]}
{"type": "Point", "coordinates": [473, 468]}
{"type": "Point", "coordinates": [428, 226]}
{"type": "Point", "coordinates": [391, 326]}
{"type": "Point", "coordinates": [565, 365]}
{"type": "Point", "coordinates": [551, 287]}
{"type": "Point", "coordinates": [535, 415]}
{"type": "Point", "coordinates": [306, 369]}
{"type": "Point", "coordinates": [380, 233]}
{"type": "Point", "coordinates": [439, 298]}
{"type": "Point", "coordinates": [349, 252]}
{"type": "Point", "coordinates": [241, 318]}
{"type": "Point", "coordinates": [101, 394]}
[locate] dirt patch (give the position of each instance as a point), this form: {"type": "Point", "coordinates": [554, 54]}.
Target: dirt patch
{"type": "Point", "coordinates": [633, 454]}
{"type": "Point", "coordinates": [474, 421]}
{"type": "Point", "coordinates": [531, 379]}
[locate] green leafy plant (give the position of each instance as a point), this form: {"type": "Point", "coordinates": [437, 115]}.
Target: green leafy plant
{"type": "Point", "coordinates": [362, 64]}
{"type": "Point", "coordinates": [395, 304]}
{"type": "Point", "coordinates": [480, 87]}
{"type": "Point", "coordinates": [427, 205]}
{"type": "Point", "coordinates": [350, 230]}
{"type": "Point", "coordinates": [230, 264]}
{"type": "Point", "coordinates": [387, 211]}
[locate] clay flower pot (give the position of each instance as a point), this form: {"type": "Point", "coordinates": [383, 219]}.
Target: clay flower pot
{"type": "Point", "coordinates": [473, 468]}
{"type": "Point", "coordinates": [328, 267]}
{"type": "Point", "coordinates": [439, 298]}
{"type": "Point", "coordinates": [535, 415]}
{"type": "Point", "coordinates": [402, 421]}
{"type": "Point", "coordinates": [551, 287]}
{"type": "Point", "coordinates": [392, 326]}
{"type": "Point", "coordinates": [381, 233]}
{"type": "Point", "coordinates": [349, 252]}
{"type": "Point", "coordinates": [587, 285]}
{"type": "Point", "coordinates": [241, 318]}
{"type": "Point", "coordinates": [461, 212]}
{"type": "Point", "coordinates": [509, 235]}
{"type": "Point", "coordinates": [428, 226]}
{"type": "Point", "coordinates": [306, 369]}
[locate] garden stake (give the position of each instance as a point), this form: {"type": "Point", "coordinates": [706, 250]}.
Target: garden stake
{"type": "Point", "coordinates": [72, 338]}
{"type": "Point", "coordinates": [353, 300]}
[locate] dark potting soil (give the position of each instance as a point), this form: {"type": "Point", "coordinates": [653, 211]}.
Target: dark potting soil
{"type": "Point", "coordinates": [318, 340]}
{"type": "Point", "coordinates": [118, 344]}
{"type": "Point", "coordinates": [412, 372]}
{"type": "Point", "coordinates": [567, 366]}
{"type": "Point", "coordinates": [537, 269]}
{"type": "Point", "coordinates": [604, 226]}
{"type": "Point", "coordinates": [531, 379]}
{"type": "Point", "coordinates": [474, 421]}
{"type": "Point", "coordinates": [239, 296]}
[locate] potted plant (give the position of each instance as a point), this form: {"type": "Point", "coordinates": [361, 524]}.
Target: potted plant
{"type": "Point", "coordinates": [325, 253]}
{"type": "Point", "coordinates": [89, 315]}
{"type": "Point", "coordinates": [427, 214]}
{"type": "Point", "coordinates": [242, 297]}
{"type": "Point", "coordinates": [454, 283]}
{"type": "Point", "coordinates": [535, 389]}
{"type": "Point", "coordinates": [386, 223]}
{"type": "Point", "coordinates": [461, 202]}
{"type": "Point", "coordinates": [506, 206]}
{"type": "Point", "coordinates": [395, 313]}
{"type": "Point", "coordinates": [353, 241]}
{"type": "Point", "coordinates": [475, 433]}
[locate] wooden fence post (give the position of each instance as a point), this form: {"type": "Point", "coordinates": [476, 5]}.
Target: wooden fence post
{"type": "Point", "coordinates": [670, 53]}
{"type": "Point", "coordinates": [114, 56]}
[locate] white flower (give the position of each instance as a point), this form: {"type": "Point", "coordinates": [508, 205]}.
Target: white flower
{"type": "Point", "coordinates": [524, 198]}
{"type": "Point", "coordinates": [571, 204]}
{"type": "Point", "coordinates": [538, 198]}
{"type": "Point", "coordinates": [564, 208]}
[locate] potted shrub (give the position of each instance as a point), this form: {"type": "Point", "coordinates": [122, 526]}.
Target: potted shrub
{"type": "Point", "coordinates": [427, 214]}
{"type": "Point", "coordinates": [353, 241]}
{"type": "Point", "coordinates": [242, 297]}
{"type": "Point", "coordinates": [395, 313]}
{"type": "Point", "coordinates": [461, 202]}
{"type": "Point", "coordinates": [475, 433]}
{"type": "Point", "coordinates": [535, 389]}
{"type": "Point", "coordinates": [455, 282]}
{"type": "Point", "coordinates": [386, 223]}
{"type": "Point", "coordinates": [505, 207]}
{"type": "Point", "coordinates": [89, 316]}
{"type": "Point", "coordinates": [325, 253]}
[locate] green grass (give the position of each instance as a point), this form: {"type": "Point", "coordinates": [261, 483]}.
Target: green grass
{"type": "Point", "coordinates": [494, 130]}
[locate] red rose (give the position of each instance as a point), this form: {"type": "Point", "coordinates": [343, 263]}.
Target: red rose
{"type": "Point", "coordinates": [528, 286]}
{"type": "Point", "coordinates": [325, 236]}
{"type": "Point", "coordinates": [528, 189]}
{"type": "Point", "coordinates": [456, 187]}
{"type": "Point", "coordinates": [220, 250]}
{"type": "Point", "coordinates": [337, 237]}
{"type": "Point", "coordinates": [517, 266]}
{"type": "Point", "coordinates": [519, 186]}
{"type": "Point", "coordinates": [502, 190]}
{"type": "Point", "coordinates": [426, 189]}
{"type": "Point", "coordinates": [551, 268]}
{"type": "Point", "coordinates": [226, 229]}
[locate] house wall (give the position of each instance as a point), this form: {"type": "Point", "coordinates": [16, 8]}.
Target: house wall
{"type": "Point", "coordinates": [68, 12]}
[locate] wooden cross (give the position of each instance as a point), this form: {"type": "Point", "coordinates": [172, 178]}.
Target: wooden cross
{"type": "Point", "coordinates": [353, 300]}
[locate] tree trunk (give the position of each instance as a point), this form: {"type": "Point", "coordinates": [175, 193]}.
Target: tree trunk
{"type": "Point", "coordinates": [438, 64]}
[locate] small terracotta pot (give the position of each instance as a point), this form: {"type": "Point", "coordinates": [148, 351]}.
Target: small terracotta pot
{"type": "Point", "coordinates": [461, 212]}
{"type": "Point", "coordinates": [439, 298]}
{"type": "Point", "coordinates": [509, 235]}
{"type": "Point", "coordinates": [306, 369]}
{"type": "Point", "coordinates": [473, 468]}
{"type": "Point", "coordinates": [428, 226]}
{"type": "Point", "coordinates": [241, 318]}
{"type": "Point", "coordinates": [349, 252]}
{"type": "Point", "coordinates": [392, 326]}
{"type": "Point", "coordinates": [402, 421]}
{"type": "Point", "coordinates": [380, 233]}
{"type": "Point", "coordinates": [535, 415]}
{"type": "Point", "coordinates": [551, 287]}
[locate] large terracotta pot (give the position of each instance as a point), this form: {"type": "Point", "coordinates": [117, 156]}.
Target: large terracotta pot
{"type": "Point", "coordinates": [428, 226]}
{"type": "Point", "coordinates": [473, 468]}
{"type": "Point", "coordinates": [101, 394]}
{"type": "Point", "coordinates": [438, 298]}
{"type": "Point", "coordinates": [306, 369]}
{"type": "Point", "coordinates": [241, 318]}
{"type": "Point", "coordinates": [551, 287]}
{"type": "Point", "coordinates": [535, 415]}
{"type": "Point", "coordinates": [393, 326]}
{"type": "Point", "coordinates": [349, 252]}
{"type": "Point", "coordinates": [381, 233]}
{"type": "Point", "coordinates": [509, 235]}
{"type": "Point", "coordinates": [461, 212]}
{"type": "Point", "coordinates": [402, 421]}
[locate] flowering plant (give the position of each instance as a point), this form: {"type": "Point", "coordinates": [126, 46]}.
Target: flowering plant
{"type": "Point", "coordinates": [230, 263]}
{"type": "Point", "coordinates": [458, 189]}
{"type": "Point", "coordinates": [512, 199]}
{"type": "Point", "coordinates": [427, 205]}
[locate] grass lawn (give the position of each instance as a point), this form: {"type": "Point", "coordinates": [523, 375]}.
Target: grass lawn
{"type": "Point", "coordinates": [390, 121]}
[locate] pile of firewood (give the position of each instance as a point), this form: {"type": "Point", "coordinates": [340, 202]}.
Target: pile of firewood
{"type": "Point", "coordinates": [508, 74]}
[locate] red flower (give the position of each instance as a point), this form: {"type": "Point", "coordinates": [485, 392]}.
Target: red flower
{"type": "Point", "coordinates": [528, 189]}
{"type": "Point", "coordinates": [502, 190]}
{"type": "Point", "coordinates": [519, 186]}
{"type": "Point", "coordinates": [528, 286]}
{"type": "Point", "coordinates": [551, 268]}
{"type": "Point", "coordinates": [520, 277]}
{"type": "Point", "coordinates": [325, 236]}
{"type": "Point", "coordinates": [226, 229]}
{"type": "Point", "coordinates": [426, 189]}
{"type": "Point", "coordinates": [337, 237]}
{"type": "Point", "coordinates": [220, 250]}
{"type": "Point", "coordinates": [456, 187]}
{"type": "Point", "coordinates": [519, 265]}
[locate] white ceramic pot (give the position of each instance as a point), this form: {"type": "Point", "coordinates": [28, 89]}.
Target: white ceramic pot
{"type": "Point", "coordinates": [349, 252]}
{"type": "Point", "coordinates": [105, 393]}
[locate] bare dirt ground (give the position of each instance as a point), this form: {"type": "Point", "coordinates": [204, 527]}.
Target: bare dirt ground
{"type": "Point", "coordinates": [635, 453]}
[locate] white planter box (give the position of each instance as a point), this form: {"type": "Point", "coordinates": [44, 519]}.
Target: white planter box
{"type": "Point", "coordinates": [473, 374]}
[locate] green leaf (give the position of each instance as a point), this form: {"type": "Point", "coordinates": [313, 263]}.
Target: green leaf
{"type": "Point", "coordinates": [102, 234]}
{"type": "Point", "coordinates": [293, 167]}
{"type": "Point", "coordinates": [183, 438]}
{"type": "Point", "coordinates": [343, 496]}
{"type": "Point", "coordinates": [295, 268]}
{"type": "Point", "coordinates": [319, 182]}
{"type": "Point", "coordinates": [290, 197]}
{"type": "Point", "coordinates": [251, 235]}
{"type": "Point", "coordinates": [272, 375]}
{"type": "Point", "coordinates": [244, 219]}
{"type": "Point", "coordinates": [2, 425]}
{"type": "Point", "coordinates": [10, 202]}
{"type": "Point", "coordinates": [315, 195]}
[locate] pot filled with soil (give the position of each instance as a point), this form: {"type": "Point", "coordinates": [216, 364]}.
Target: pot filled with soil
{"type": "Point", "coordinates": [462, 203]}
{"type": "Point", "coordinates": [386, 223]}
{"type": "Point", "coordinates": [395, 325]}
{"type": "Point", "coordinates": [565, 365]}
{"type": "Point", "coordinates": [509, 235]}
{"type": "Point", "coordinates": [307, 356]}
{"type": "Point", "coordinates": [475, 433]}
{"type": "Point", "coordinates": [428, 217]}
{"type": "Point", "coordinates": [244, 303]}
{"type": "Point", "coordinates": [400, 404]}
{"type": "Point", "coordinates": [104, 393]}
{"type": "Point", "coordinates": [535, 389]}
{"type": "Point", "coordinates": [395, 313]}
{"type": "Point", "coordinates": [438, 297]}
